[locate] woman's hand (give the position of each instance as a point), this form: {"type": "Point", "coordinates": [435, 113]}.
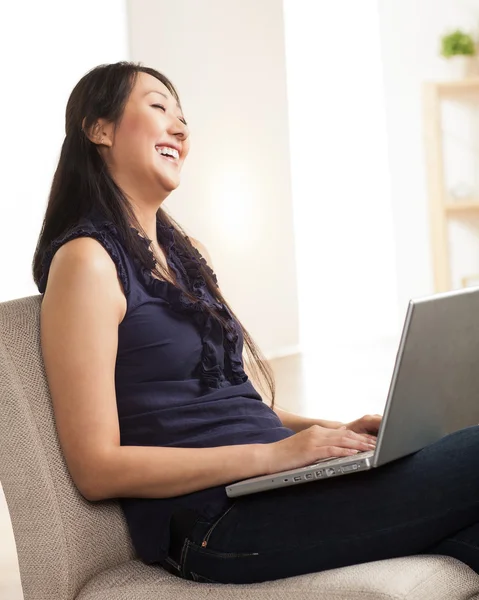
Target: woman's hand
{"type": "Point", "coordinates": [369, 424]}
{"type": "Point", "coordinates": [313, 444]}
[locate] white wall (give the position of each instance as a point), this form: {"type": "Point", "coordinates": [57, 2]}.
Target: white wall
{"type": "Point", "coordinates": [342, 203]}
{"type": "Point", "coordinates": [45, 48]}
{"type": "Point", "coordinates": [341, 185]}
{"type": "Point", "coordinates": [410, 32]}
{"type": "Point", "coordinates": [227, 61]}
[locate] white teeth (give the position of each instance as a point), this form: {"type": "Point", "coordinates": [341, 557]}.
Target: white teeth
{"type": "Point", "coordinates": [166, 150]}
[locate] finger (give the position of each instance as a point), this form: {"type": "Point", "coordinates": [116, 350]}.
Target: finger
{"type": "Point", "coordinates": [347, 441]}
{"type": "Point", "coordinates": [367, 437]}
{"type": "Point", "coordinates": [334, 452]}
{"type": "Point", "coordinates": [368, 442]}
{"type": "Point", "coordinates": [372, 423]}
{"type": "Point", "coordinates": [364, 437]}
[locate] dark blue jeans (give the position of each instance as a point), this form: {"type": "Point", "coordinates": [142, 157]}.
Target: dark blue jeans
{"type": "Point", "coordinates": [425, 503]}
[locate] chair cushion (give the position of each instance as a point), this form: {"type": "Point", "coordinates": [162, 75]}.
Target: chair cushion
{"type": "Point", "coordinates": [411, 578]}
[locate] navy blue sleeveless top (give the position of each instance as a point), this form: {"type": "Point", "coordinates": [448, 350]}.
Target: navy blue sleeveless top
{"type": "Point", "coordinates": [179, 376]}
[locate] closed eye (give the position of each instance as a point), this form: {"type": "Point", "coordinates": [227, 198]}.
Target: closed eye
{"type": "Point", "coordinates": [164, 109]}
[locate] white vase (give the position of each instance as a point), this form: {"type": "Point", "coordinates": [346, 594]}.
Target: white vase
{"type": "Point", "coordinates": [461, 67]}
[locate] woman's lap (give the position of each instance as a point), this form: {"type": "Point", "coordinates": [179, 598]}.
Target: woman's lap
{"type": "Point", "coordinates": [410, 506]}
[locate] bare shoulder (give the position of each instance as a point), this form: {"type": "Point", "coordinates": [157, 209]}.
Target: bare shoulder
{"type": "Point", "coordinates": [202, 250]}
{"type": "Point", "coordinates": [82, 265]}
{"type": "Point", "coordinates": [86, 253]}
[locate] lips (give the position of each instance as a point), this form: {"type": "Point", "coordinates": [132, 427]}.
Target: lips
{"type": "Point", "coordinates": [172, 149]}
{"type": "Point", "coordinates": [168, 158]}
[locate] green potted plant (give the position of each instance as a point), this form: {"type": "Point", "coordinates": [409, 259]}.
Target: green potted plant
{"type": "Point", "coordinates": [459, 49]}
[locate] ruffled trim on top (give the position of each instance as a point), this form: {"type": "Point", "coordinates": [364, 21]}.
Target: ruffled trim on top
{"type": "Point", "coordinates": [187, 268]}
{"type": "Point", "coordinates": [85, 228]}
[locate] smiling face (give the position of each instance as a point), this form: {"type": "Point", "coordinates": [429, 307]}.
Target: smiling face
{"type": "Point", "coordinates": [151, 121]}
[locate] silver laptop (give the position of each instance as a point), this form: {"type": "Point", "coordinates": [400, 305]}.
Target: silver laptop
{"type": "Point", "coordinates": [434, 390]}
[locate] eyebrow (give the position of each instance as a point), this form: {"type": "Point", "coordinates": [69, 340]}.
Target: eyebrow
{"type": "Point", "coordinates": [157, 92]}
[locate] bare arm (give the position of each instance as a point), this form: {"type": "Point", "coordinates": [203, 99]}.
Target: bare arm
{"type": "Point", "coordinates": [81, 310]}
{"type": "Point", "coordinates": [298, 423]}
{"type": "Point", "coordinates": [156, 472]}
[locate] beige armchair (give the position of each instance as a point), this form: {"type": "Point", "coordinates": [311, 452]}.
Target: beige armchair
{"type": "Point", "coordinates": [72, 549]}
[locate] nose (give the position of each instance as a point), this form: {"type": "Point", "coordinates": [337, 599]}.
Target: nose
{"type": "Point", "coordinates": [178, 129]}
{"type": "Point", "coordinates": [183, 134]}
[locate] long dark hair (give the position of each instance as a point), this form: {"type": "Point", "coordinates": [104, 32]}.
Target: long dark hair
{"type": "Point", "coordinates": [82, 182]}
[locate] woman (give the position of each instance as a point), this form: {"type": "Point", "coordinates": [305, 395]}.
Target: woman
{"type": "Point", "coordinates": [152, 404]}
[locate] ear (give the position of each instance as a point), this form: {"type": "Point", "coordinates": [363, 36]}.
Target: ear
{"type": "Point", "coordinates": [100, 133]}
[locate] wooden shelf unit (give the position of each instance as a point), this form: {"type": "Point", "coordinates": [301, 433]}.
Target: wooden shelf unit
{"type": "Point", "coordinates": [462, 206]}
{"type": "Point", "coordinates": [441, 207]}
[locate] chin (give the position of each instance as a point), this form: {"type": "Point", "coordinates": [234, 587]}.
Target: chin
{"type": "Point", "coordinates": [168, 183]}
{"type": "Point", "coordinates": [168, 187]}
